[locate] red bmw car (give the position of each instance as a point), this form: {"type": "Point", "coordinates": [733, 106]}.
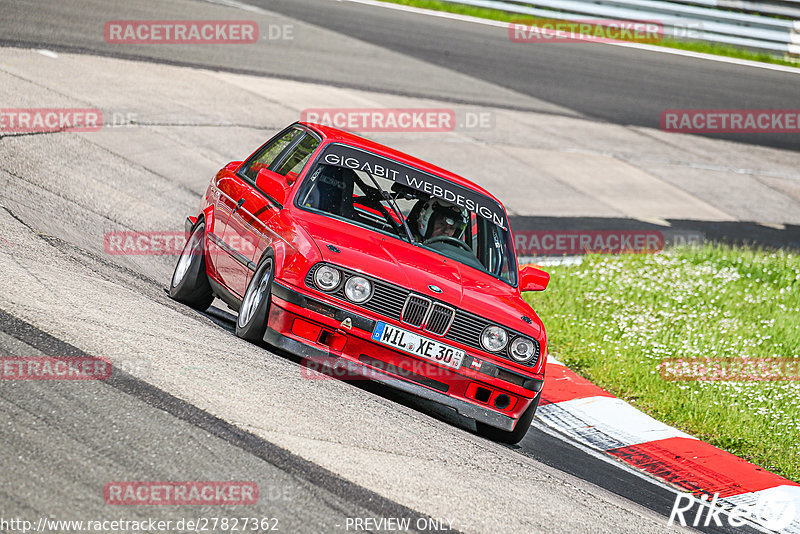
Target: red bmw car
{"type": "Point", "coordinates": [361, 258]}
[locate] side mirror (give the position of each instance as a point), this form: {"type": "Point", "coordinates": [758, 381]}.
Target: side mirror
{"type": "Point", "coordinates": [233, 166]}
{"type": "Point", "coordinates": [533, 279]}
{"type": "Point", "coordinates": [273, 184]}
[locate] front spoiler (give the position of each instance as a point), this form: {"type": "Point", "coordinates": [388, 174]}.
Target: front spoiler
{"type": "Point", "coordinates": [334, 363]}
{"type": "Point", "coordinates": [188, 224]}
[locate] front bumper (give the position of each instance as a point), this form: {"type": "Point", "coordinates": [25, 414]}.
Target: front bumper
{"type": "Point", "coordinates": [339, 365]}
{"type": "Point", "coordinates": [331, 337]}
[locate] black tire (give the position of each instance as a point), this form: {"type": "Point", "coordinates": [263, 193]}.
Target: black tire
{"type": "Point", "coordinates": [189, 283]}
{"type": "Point", "coordinates": [254, 311]}
{"type": "Point", "coordinates": [510, 436]}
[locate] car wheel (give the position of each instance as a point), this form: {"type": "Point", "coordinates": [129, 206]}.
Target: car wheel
{"type": "Point", "coordinates": [189, 281]}
{"type": "Point", "coordinates": [510, 436]}
{"type": "Point", "coordinates": [252, 321]}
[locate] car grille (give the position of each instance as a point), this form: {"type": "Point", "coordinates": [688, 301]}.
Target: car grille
{"type": "Point", "coordinates": [386, 300]}
{"type": "Point", "coordinates": [467, 329]}
{"type": "Point", "coordinates": [440, 318]}
{"type": "Point", "coordinates": [400, 304]}
{"type": "Point", "coordinates": [422, 312]}
{"type": "Point", "coordinates": [415, 310]}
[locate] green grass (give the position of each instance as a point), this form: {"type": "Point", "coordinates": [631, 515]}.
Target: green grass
{"type": "Point", "coordinates": [693, 46]}
{"type": "Point", "coordinates": [614, 318]}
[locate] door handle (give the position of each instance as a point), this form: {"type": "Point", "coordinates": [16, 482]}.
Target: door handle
{"type": "Point", "coordinates": [239, 204]}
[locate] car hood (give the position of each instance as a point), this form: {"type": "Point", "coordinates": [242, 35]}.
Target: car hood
{"type": "Point", "coordinates": [416, 268]}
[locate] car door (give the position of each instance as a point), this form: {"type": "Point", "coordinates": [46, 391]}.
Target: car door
{"type": "Point", "coordinates": [223, 207]}
{"type": "Point", "coordinates": [292, 166]}
{"type": "Point", "coordinates": [248, 222]}
{"type": "Point", "coordinates": [236, 190]}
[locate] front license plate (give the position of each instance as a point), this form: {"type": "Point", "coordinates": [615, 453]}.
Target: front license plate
{"type": "Point", "coordinates": [418, 345]}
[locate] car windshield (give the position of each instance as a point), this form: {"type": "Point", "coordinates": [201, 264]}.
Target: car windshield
{"type": "Point", "coordinates": [390, 197]}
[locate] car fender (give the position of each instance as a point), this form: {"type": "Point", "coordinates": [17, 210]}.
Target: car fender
{"type": "Point", "coordinates": [278, 248]}
{"type": "Point", "coordinates": [295, 250]}
{"type": "Point", "coordinates": [291, 264]}
{"type": "Point", "coordinates": [208, 217]}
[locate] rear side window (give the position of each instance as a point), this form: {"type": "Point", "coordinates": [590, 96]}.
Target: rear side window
{"type": "Point", "coordinates": [270, 153]}
{"type": "Point", "coordinates": [293, 163]}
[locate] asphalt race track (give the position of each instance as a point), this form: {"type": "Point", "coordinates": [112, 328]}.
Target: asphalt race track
{"type": "Point", "coordinates": [188, 400]}
{"type": "Point", "coordinates": [610, 83]}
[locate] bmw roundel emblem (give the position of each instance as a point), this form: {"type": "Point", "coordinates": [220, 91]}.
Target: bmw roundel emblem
{"type": "Point", "coordinates": [435, 289]}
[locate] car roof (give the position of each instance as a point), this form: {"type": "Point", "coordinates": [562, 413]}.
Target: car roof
{"type": "Point", "coordinates": [331, 134]}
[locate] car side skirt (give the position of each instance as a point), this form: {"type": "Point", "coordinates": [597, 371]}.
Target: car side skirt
{"type": "Point", "coordinates": [222, 293]}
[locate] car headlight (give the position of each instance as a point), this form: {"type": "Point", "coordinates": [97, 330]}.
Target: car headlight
{"type": "Point", "coordinates": [523, 349]}
{"type": "Point", "coordinates": [327, 278]}
{"type": "Point", "coordinates": [494, 338]}
{"type": "Point", "coordinates": [358, 289]}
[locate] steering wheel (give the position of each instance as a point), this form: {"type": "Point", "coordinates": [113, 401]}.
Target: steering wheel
{"type": "Point", "coordinates": [449, 240]}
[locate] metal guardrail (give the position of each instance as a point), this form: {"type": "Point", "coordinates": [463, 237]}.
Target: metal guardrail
{"type": "Point", "coordinates": [781, 8]}
{"type": "Point", "coordinates": [689, 20]}
{"type": "Point", "coordinates": [785, 8]}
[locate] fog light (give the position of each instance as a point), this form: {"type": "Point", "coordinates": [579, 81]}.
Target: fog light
{"type": "Point", "coordinates": [502, 401]}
